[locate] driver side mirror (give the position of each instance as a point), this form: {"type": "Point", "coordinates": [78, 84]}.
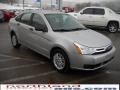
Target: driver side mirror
{"type": "Point", "coordinates": [81, 13]}
{"type": "Point", "coordinates": [42, 28]}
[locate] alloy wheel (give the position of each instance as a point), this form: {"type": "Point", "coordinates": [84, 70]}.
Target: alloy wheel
{"type": "Point", "coordinates": [59, 61]}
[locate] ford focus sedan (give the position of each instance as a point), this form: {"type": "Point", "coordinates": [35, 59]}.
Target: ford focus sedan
{"type": "Point", "coordinates": [62, 39]}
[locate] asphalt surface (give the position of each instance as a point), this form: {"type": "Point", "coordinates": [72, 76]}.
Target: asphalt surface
{"type": "Point", "coordinates": [26, 66]}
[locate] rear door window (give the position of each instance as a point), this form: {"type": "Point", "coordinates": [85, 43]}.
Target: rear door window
{"type": "Point", "coordinates": [98, 11]}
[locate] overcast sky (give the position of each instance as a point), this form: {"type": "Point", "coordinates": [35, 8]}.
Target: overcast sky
{"type": "Point", "coordinates": [47, 1]}
{"type": "Point", "coordinates": [74, 1]}
{"type": "Point", "coordinates": [77, 0]}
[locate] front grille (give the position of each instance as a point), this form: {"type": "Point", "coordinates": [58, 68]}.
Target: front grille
{"type": "Point", "coordinates": [103, 51]}
{"type": "Point", "coordinates": [87, 66]}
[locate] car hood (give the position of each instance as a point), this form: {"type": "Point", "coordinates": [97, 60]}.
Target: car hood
{"type": "Point", "coordinates": [87, 38]}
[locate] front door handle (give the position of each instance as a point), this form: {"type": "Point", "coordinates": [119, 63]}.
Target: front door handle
{"type": "Point", "coordinates": [31, 29]}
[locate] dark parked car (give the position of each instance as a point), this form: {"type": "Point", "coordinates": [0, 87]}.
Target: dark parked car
{"type": "Point", "coordinates": [1, 15]}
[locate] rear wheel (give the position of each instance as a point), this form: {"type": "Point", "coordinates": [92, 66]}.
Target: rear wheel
{"type": "Point", "coordinates": [113, 27]}
{"type": "Point", "coordinates": [60, 60]}
{"type": "Point", "coordinates": [14, 41]}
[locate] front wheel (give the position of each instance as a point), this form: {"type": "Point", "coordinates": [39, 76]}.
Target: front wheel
{"type": "Point", "coordinates": [113, 27]}
{"type": "Point", "coordinates": [14, 41]}
{"type": "Point", "coordinates": [60, 60]}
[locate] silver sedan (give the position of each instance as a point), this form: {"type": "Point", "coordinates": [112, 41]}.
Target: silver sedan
{"type": "Point", "coordinates": [62, 39]}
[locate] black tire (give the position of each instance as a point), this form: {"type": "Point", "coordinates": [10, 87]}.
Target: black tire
{"type": "Point", "coordinates": [113, 27]}
{"type": "Point", "coordinates": [1, 20]}
{"type": "Point", "coordinates": [66, 66]}
{"type": "Point", "coordinates": [14, 41]}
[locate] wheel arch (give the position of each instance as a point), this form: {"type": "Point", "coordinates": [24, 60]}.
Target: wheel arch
{"type": "Point", "coordinates": [58, 47]}
{"type": "Point", "coordinates": [113, 21]}
{"type": "Point", "coordinates": [68, 63]}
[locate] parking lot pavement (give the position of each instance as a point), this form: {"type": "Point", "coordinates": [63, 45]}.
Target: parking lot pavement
{"type": "Point", "coordinates": [26, 66]}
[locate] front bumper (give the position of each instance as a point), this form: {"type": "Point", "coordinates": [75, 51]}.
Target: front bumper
{"type": "Point", "coordinates": [91, 62]}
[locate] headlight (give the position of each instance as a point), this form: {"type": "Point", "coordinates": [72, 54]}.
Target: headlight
{"type": "Point", "coordinates": [83, 49]}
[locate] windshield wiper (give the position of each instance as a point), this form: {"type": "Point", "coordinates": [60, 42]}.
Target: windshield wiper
{"type": "Point", "coordinates": [61, 30]}
{"type": "Point", "coordinates": [68, 30]}
{"type": "Point", "coordinates": [79, 29]}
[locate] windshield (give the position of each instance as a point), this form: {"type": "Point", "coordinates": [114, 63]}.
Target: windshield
{"type": "Point", "coordinates": [63, 22]}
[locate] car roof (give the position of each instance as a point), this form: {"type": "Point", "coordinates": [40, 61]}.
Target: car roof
{"type": "Point", "coordinates": [96, 7]}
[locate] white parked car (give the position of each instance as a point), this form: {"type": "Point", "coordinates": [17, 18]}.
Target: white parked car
{"type": "Point", "coordinates": [101, 17]}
